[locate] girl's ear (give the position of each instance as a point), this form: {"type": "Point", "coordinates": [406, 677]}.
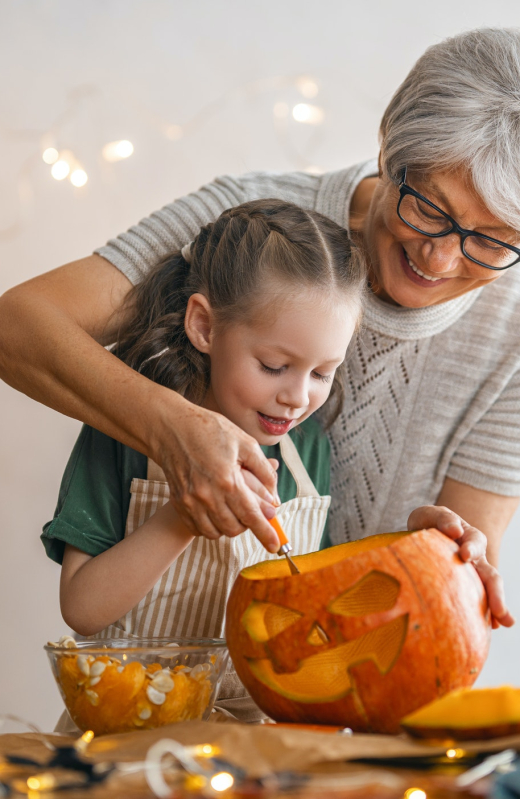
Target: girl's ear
{"type": "Point", "coordinates": [198, 322]}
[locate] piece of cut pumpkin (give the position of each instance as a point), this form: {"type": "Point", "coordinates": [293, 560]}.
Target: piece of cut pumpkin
{"type": "Point", "coordinates": [468, 714]}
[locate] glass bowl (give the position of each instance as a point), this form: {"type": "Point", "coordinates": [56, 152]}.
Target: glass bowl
{"type": "Point", "coordinates": [122, 684]}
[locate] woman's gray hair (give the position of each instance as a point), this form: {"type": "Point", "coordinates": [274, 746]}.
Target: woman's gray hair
{"type": "Point", "coordinates": [460, 107]}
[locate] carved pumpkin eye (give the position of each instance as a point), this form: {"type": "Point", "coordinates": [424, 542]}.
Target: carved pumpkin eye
{"type": "Point", "coordinates": [264, 620]}
{"type": "Point", "coordinates": [374, 593]}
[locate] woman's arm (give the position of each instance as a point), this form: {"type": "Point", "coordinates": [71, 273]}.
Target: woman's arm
{"type": "Point", "coordinates": [476, 520]}
{"type": "Point", "coordinates": [52, 329]}
{"type": "Point", "coordinates": [96, 591]}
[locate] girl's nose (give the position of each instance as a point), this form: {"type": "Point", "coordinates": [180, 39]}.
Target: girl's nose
{"type": "Point", "coordinates": [442, 255]}
{"type": "Point", "coordinates": [294, 394]}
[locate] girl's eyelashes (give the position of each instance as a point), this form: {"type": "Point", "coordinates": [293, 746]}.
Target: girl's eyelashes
{"type": "Point", "coordinates": [270, 370]}
{"type": "Point", "coordinates": [323, 378]}
{"type": "Point", "coordinates": [278, 371]}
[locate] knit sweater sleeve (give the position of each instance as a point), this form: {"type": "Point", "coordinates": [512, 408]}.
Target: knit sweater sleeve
{"type": "Point", "coordinates": [489, 456]}
{"type": "Point", "coordinates": [143, 246]}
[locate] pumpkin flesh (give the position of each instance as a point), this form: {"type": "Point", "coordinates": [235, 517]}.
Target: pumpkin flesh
{"type": "Point", "coordinates": [468, 714]}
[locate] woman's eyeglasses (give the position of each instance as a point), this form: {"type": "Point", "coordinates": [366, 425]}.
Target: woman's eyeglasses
{"type": "Point", "coordinates": [423, 216]}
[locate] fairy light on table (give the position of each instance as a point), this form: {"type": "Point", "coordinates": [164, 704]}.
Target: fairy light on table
{"type": "Point", "coordinates": [415, 793]}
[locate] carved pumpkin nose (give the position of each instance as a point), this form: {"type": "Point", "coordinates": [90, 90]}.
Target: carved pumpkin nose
{"type": "Point", "coordinates": [406, 621]}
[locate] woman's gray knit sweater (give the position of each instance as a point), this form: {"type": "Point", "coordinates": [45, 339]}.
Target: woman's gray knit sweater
{"type": "Point", "coordinates": [431, 392]}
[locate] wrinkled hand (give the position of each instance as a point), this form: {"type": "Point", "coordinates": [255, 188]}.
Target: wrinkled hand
{"type": "Point", "coordinates": [220, 481]}
{"type": "Point", "coordinates": [472, 549]}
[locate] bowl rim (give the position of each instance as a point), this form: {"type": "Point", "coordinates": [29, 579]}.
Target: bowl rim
{"type": "Point", "coordinates": [137, 645]}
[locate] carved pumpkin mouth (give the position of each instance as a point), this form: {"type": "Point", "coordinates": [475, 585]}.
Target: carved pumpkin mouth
{"type": "Point", "coordinates": [326, 677]}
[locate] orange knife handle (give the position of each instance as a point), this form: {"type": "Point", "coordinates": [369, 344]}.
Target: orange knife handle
{"type": "Point", "coordinates": [284, 541]}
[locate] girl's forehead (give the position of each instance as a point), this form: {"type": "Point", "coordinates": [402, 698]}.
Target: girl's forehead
{"type": "Point", "coordinates": [284, 299]}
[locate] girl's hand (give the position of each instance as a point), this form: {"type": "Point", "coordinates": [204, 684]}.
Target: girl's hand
{"type": "Point", "coordinates": [206, 459]}
{"type": "Point", "coordinates": [473, 545]}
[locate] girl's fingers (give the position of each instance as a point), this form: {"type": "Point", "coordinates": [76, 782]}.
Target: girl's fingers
{"type": "Point", "coordinates": [495, 592]}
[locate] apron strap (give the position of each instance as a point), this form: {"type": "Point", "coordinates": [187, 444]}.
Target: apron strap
{"type": "Point", "coordinates": [304, 485]}
{"type": "Point", "coordinates": [154, 472]}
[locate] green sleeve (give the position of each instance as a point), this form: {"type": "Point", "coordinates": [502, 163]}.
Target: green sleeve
{"type": "Point", "coordinates": [94, 495]}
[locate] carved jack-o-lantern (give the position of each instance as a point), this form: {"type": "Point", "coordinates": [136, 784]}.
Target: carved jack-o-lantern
{"type": "Point", "coordinates": [406, 621]}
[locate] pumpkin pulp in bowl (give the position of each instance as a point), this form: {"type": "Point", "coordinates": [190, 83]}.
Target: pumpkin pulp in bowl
{"type": "Point", "coordinates": [406, 621]}
{"type": "Point", "coordinates": [119, 685]}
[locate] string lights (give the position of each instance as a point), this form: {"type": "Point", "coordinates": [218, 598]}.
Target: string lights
{"type": "Point", "coordinates": [53, 146]}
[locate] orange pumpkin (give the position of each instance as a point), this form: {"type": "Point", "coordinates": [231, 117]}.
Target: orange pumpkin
{"type": "Point", "coordinates": [407, 621]}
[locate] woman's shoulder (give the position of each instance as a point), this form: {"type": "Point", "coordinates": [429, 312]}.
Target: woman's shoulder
{"type": "Point", "coordinates": [492, 321]}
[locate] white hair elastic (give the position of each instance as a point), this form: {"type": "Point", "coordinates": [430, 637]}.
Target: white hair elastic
{"type": "Point", "coordinates": [186, 252]}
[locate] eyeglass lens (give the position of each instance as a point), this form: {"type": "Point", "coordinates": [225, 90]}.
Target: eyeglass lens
{"type": "Point", "coordinates": [428, 220]}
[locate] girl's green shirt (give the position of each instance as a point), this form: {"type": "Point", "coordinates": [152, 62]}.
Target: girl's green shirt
{"type": "Point", "coordinates": [94, 495]}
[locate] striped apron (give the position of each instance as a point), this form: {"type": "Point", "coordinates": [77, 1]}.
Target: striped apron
{"type": "Point", "coordinates": [190, 598]}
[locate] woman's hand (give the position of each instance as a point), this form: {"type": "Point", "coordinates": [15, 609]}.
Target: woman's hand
{"type": "Point", "coordinates": [220, 481]}
{"type": "Point", "coordinates": [472, 549]}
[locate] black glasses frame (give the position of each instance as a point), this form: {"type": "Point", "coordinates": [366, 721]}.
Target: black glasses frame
{"type": "Point", "coordinates": [463, 234]}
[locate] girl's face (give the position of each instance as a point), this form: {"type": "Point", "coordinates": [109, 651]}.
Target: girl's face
{"type": "Point", "coordinates": [270, 374]}
{"type": "Point", "coordinates": [397, 254]}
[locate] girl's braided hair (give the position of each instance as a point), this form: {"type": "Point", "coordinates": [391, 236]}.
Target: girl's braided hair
{"type": "Point", "coordinates": [229, 262]}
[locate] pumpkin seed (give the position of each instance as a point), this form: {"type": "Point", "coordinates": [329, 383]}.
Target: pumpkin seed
{"type": "Point", "coordinates": [84, 665]}
{"type": "Point", "coordinates": [145, 713]}
{"type": "Point", "coordinates": [97, 668]}
{"type": "Point", "coordinates": [92, 697]}
{"type": "Point", "coordinates": [94, 681]}
{"type": "Point", "coordinates": [68, 642]}
{"type": "Point", "coordinates": [120, 669]}
{"type": "Point", "coordinates": [162, 682]}
{"type": "Point", "coordinates": [155, 697]}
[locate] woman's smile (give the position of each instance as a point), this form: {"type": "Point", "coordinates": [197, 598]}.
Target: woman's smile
{"type": "Point", "coordinates": [417, 276]}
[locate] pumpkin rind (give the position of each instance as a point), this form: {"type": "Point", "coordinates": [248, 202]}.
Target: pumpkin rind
{"type": "Point", "coordinates": [440, 604]}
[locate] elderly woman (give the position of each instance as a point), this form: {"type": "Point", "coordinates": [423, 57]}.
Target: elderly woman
{"type": "Point", "coordinates": [432, 399]}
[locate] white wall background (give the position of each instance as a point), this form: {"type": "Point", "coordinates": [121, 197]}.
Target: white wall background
{"type": "Point", "coordinates": [141, 64]}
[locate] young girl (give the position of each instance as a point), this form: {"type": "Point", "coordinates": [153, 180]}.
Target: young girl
{"type": "Point", "coordinates": [252, 320]}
